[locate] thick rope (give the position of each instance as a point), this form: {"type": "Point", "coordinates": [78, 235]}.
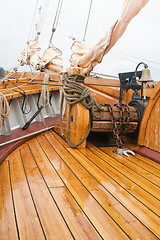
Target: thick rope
{"type": "Point", "coordinates": [4, 109]}
{"type": "Point", "coordinates": [74, 93]}
{"type": "Point", "coordinates": [44, 98]}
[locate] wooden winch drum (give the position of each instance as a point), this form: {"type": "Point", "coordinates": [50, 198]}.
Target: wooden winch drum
{"type": "Point", "coordinates": [105, 124]}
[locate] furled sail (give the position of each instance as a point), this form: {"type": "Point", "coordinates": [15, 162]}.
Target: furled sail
{"type": "Point", "coordinates": [50, 59]}
{"type": "Point", "coordinates": [87, 57]}
{"type": "Point", "coordinates": [31, 49]}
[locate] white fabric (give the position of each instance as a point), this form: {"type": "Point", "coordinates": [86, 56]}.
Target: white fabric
{"type": "Point", "coordinates": [90, 58]}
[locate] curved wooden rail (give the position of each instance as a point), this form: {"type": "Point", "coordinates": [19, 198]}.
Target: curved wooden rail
{"type": "Point", "coordinates": [149, 135]}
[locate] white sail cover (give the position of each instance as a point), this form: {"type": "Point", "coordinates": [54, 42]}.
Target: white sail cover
{"type": "Point", "coordinates": [87, 57]}
{"type": "Point", "coordinates": [50, 58]}
{"type": "Point", "coordinates": [31, 49]}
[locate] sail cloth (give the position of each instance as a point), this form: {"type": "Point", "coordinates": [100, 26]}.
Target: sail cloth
{"type": "Point", "coordinates": [50, 58]}
{"type": "Point", "coordinates": [87, 57]}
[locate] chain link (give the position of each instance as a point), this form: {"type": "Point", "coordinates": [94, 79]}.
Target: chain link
{"type": "Point", "coordinates": [124, 122]}
{"type": "Point", "coordinates": [116, 133]}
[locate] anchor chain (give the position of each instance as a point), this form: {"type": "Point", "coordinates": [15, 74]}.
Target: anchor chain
{"type": "Point", "coordinates": [124, 126]}
{"type": "Point", "coordinates": [116, 132]}
{"type": "Point", "coordinates": [124, 120]}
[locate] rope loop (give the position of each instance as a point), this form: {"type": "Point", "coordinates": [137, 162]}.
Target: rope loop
{"type": "Point", "coordinates": [4, 109]}
{"type": "Point", "coordinates": [74, 92]}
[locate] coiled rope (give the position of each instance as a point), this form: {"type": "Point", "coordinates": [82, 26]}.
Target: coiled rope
{"type": "Point", "coordinates": [74, 93]}
{"type": "Point", "coordinates": [4, 109]}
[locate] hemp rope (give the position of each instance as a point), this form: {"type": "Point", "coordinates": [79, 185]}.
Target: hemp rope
{"type": "Point", "coordinates": [44, 98]}
{"type": "Point", "coordinates": [74, 93]}
{"type": "Point", "coordinates": [4, 109]}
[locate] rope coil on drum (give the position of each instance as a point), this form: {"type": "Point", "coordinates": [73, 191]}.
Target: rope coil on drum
{"type": "Point", "coordinates": [74, 93]}
{"type": "Point", "coordinates": [4, 109]}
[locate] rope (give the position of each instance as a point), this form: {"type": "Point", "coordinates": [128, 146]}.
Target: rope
{"type": "Point", "coordinates": [87, 20]}
{"type": "Point", "coordinates": [42, 19]}
{"type": "Point", "coordinates": [34, 14]}
{"type": "Point", "coordinates": [74, 93]}
{"type": "Point", "coordinates": [55, 22]}
{"type": "Point", "coordinates": [44, 98]}
{"type": "Point", "coordinates": [4, 109]}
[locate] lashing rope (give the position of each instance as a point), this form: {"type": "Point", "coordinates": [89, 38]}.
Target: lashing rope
{"type": "Point", "coordinates": [4, 109]}
{"type": "Point", "coordinates": [74, 93]}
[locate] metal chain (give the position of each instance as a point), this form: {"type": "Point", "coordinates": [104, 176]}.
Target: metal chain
{"type": "Point", "coordinates": [116, 132]}
{"type": "Point", "coordinates": [124, 121]}
{"type": "Point", "coordinates": [128, 117]}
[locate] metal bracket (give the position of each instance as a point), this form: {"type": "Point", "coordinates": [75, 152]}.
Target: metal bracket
{"type": "Point", "coordinates": [128, 81]}
{"type": "Point", "coordinates": [124, 151]}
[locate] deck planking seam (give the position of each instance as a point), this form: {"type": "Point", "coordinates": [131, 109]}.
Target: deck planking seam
{"type": "Point", "coordinates": [106, 190]}
{"type": "Point", "coordinates": [147, 160]}
{"type": "Point", "coordinates": [125, 188]}
{"type": "Point", "coordinates": [32, 197]}
{"type": "Point", "coordinates": [131, 160]}
{"type": "Point", "coordinates": [114, 179]}
{"type": "Point", "coordinates": [119, 185]}
{"type": "Point", "coordinates": [51, 193]}
{"type": "Point", "coordinates": [115, 197]}
{"type": "Point", "coordinates": [68, 188]}
{"type": "Point", "coordinates": [124, 174]}
{"type": "Point", "coordinates": [123, 164]}
{"type": "Point", "coordinates": [13, 202]}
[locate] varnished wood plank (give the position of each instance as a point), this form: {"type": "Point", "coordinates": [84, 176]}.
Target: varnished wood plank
{"type": "Point", "coordinates": [74, 216]}
{"type": "Point", "coordinates": [102, 82]}
{"type": "Point", "coordinates": [111, 91]}
{"type": "Point", "coordinates": [108, 126]}
{"type": "Point", "coordinates": [127, 161]}
{"type": "Point", "coordinates": [107, 115]}
{"type": "Point", "coordinates": [7, 219]}
{"type": "Point", "coordinates": [139, 180]}
{"type": "Point", "coordinates": [102, 98]}
{"type": "Point", "coordinates": [125, 182]}
{"type": "Point", "coordinates": [138, 160]}
{"type": "Point", "coordinates": [147, 113]}
{"type": "Point", "coordinates": [35, 75]}
{"type": "Point", "coordinates": [51, 218]}
{"type": "Point", "coordinates": [158, 125]}
{"type": "Point", "coordinates": [135, 207]}
{"type": "Point", "coordinates": [24, 206]}
{"type": "Point", "coordinates": [92, 209]}
{"type": "Point", "coordinates": [118, 211]}
{"type": "Point", "coordinates": [140, 211]}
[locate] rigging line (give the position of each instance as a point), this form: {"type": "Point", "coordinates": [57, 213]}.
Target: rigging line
{"type": "Point", "coordinates": [87, 20]}
{"type": "Point", "coordinates": [69, 36]}
{"type": "Point", "coordinates": [105, 75]}
{"type": "Point", "coordinates": [59, 13]}
{"type": "Point", "coordinates": [34, 14]}
{"type": "Point", "coordinates": [41, 22]}
{"type": "Point", "coordinates": [135, 57]}
{"type": "Point", "coordinates": [56, 19]}
{"type": "Point", "coordinates": [127, 59]}
{"type": "Point", "coordinates": [22, 84]}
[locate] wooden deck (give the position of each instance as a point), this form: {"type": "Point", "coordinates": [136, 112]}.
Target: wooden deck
{"type": "Point", "coordinates": [50, 191]}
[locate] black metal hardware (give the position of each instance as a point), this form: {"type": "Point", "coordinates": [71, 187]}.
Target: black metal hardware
{"type": "Point", "coordinates": [128, 81]}
{"type": "Point", "coordinates": [32, 118]}
{"type": "Point", "coordinates": [34, 115]}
